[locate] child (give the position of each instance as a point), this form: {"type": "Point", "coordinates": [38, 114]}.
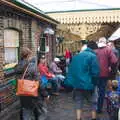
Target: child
{"type": "Point", "coordinates": [113, 101]}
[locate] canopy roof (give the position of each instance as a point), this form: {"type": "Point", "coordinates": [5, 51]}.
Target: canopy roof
{"type": "Point", "coordinates": [87, 16]}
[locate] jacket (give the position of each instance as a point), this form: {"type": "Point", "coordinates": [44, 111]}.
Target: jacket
{"type": "Point", "coordinates": [32, 71]}
{"type": "Point", "coordinates": [67, 54]}
{"type": "Point", "coordinates": [55, 69]}
{"type": "Point", "coordinates": [106, 59]}
{"type": "Point", "coordinates": [83, 70]}
{"type": "Point", "coordinates": [43, 69]}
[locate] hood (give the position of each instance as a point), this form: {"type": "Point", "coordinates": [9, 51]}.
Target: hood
{"type": "Point", "coordinates": [84, 47]}
{"type": "Point", "coordinates": [101, 45]}
{"type": "Point", "coordinates": [89, 50]}
{"type": "Point", "coordinates": [102, 42]}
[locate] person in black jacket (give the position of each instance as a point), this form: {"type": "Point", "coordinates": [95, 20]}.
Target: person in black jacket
{"type": "Point", "coordinates": [27, 102]}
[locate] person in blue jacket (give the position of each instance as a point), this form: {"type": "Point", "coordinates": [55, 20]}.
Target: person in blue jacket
{"type": "Point", "coordinates": [82, 76]}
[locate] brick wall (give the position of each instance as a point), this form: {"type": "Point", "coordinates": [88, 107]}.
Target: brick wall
{"type": "Point", "coordinates": [10, 18]}
{"type": "Point", "coordinates": [1, 47]}
{"type": "Point", "coordinates": [29, 28]}
{"type": "Point", "coordinates": [20, 22]}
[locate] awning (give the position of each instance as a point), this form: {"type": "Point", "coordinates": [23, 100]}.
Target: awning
{"type": "Point", "coordinates": [115, 35]}
{"type": "Point", "coordinates": [87, 16]}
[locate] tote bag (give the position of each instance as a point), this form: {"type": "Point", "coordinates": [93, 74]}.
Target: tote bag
{"type": "Point", "coordinates": [27, 87]}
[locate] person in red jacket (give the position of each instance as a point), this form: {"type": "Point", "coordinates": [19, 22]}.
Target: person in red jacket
{"type": "Point", "coordinates": [106, 59]}
{"type": "Point", "coordinates": [44, 71]}
{"type": "Point", "coordinates": [68, 58]}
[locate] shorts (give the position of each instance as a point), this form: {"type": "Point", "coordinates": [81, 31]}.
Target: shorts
{"type": "Point", "coordinates": [82, 97]}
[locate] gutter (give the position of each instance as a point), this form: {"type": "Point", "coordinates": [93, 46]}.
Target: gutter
{"type": "Point", "coordinates": [32, 12]}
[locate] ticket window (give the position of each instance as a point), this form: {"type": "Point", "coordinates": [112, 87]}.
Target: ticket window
{"type": "Point", "coordinates": [11, 46]}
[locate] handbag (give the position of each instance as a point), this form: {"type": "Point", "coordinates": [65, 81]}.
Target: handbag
{"type": "Point", "coordinates": [27, 87]}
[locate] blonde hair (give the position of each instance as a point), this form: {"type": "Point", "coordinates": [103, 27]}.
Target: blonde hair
{"type": "Point", "coordinates": [25, 52]}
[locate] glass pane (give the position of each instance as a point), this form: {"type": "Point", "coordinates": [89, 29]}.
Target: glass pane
{"type": "Point", "coordinates": [11, 38]}
{"type": "Point", "coordinates": [42, 44]}
{"type": "Point", "coordinates": [11, 55]}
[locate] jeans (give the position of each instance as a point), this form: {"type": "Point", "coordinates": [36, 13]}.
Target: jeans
{"type": "Point", "coordinates": [60, 77]}
{"type": "Point", "coordinates": [60, 80]}
{"type": "Point", "coordinates": [67, 64]}
{"type": "Point", "coordinates": [102, 82]}
{"type": "Point", "coordinates": [27, 114]}
{"type": "Point", "coordinates": [54, 82]}
{"type": "Point", "coordinates": [37, 112]}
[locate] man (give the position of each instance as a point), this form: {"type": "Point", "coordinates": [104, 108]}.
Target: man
{"type": "Point", "coordinates": [106, 59]}
{"type": "Point", "coordinates": [68, 58]}
{"type": "Point", "coordinates": [57, 71]}
{"type": "Point", "coordinates": [81, 76]}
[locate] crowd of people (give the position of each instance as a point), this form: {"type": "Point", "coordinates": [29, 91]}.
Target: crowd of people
{"type": "Point", "coordinates": [49, 77]}
{"type": "Point", "coordinates": [88, 73]}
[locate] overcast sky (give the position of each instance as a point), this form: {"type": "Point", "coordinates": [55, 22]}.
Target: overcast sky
{"type": "Point", "coordinates": [62, 5]}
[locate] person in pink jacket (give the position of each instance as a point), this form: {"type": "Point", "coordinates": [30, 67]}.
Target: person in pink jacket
{"type": "Point", "coordinates": [44, 72]}
{"type": "Point", "coordinates": [106, 59]}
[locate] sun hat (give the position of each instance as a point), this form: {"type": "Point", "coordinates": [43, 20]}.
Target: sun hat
{"type": "Point", "coordinates": [56, 59]}
{"type": "Point", "coordinates": [43, 57]}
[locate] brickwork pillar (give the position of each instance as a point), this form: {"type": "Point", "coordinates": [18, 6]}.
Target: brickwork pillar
{"type": "Point", "coordinates": [1, 48]}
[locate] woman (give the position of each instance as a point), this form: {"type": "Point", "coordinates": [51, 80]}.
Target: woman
{"type": "Point", "coordinates": [27, 102]}
{"type": "Point", "coordinates": [43, 69]}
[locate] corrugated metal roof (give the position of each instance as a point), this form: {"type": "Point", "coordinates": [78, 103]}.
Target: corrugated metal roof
{"type": "Point", "coordinates": [27, 6]}
{"type": "Point", "coordinates": [30, 6]}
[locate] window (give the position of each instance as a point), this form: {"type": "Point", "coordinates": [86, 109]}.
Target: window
{"type": "Point", "coordinates": [42, 44]}
{"type": "Point", "coordinates": [11, 45]}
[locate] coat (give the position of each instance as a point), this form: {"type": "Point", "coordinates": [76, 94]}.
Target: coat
{"type": "Point", "coordinates": [83, 70]}
{"type": "Point", "coordinates": [43, 69]}
{"type": "Point", "coordinates": [55, 69]}
{"type": "Point", "coordinates": [106, 59]}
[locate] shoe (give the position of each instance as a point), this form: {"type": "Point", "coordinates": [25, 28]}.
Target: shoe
{"type": "Point", "coordinates": [56, 94]}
